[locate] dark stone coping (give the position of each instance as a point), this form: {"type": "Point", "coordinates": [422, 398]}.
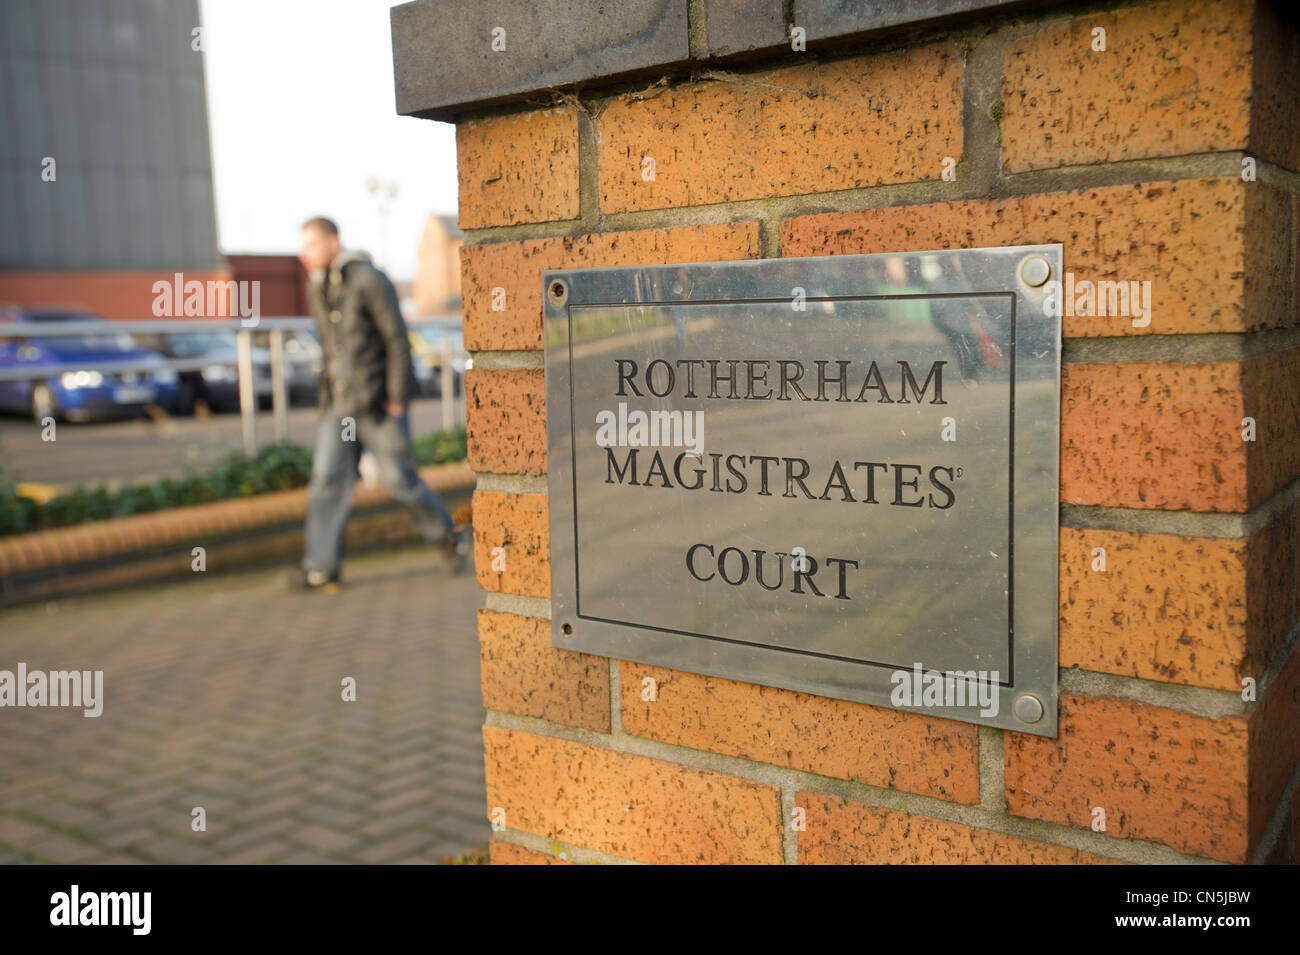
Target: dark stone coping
{"type": "Point", "coordinates": [445, 66]}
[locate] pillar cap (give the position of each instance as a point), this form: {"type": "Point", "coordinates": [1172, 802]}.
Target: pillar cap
{"type": "Point", "coordinates": [445, 66]}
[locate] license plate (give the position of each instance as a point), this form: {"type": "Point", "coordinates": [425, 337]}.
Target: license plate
{"type": "Point", "coordinates": [133, 396]}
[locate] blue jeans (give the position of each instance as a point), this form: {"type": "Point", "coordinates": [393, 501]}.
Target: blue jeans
{"type": "Point", "coordinates": [334, 470]}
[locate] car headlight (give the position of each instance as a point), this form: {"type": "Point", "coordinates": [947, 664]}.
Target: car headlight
{"type": "Point", "coordinates": [165, 376]}
{"type": "Point", "coordinates": [219, 373]}
{"type": "Point", "coordinates": [81, 379]}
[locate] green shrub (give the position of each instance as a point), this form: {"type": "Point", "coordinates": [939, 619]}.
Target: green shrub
{"type": "Point", "coordinates": [275, 468]}
{"type": "Point", "coordinates": [440, 447]}
{"type": "Point", "coordinates": [478, 856]}
{"type": "Point", "coordinates": [17, 514]}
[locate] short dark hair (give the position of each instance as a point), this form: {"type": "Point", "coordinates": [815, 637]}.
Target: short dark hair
{"type": "Point", "coordinates": [326, 226]}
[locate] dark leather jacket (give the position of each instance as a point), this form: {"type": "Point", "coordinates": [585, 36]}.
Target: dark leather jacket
{"type": "Point", "coordinates": [366, 356]}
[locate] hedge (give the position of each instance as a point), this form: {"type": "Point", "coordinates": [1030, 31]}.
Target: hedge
{"type": "Point", "coordinates": [275, 468]}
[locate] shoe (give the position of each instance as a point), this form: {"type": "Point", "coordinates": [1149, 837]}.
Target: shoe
{"type": "Point", "coordinates": [455, 549]}
{"type": "Point", "coordinates": [314, 580]}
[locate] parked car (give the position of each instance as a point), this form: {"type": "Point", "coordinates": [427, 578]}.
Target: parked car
{"type": "Point", "coordinates": [217, 383]}
{"type": "Point", "coordinates": [79, 389]}
{"type": "Point", "coordinates": [425, 336]}
{"type": "Point", "coordinates": [302, 365]}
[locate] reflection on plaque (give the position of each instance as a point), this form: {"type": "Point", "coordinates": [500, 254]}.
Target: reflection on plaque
{"type": "Point", "coordinates": [837, 475]}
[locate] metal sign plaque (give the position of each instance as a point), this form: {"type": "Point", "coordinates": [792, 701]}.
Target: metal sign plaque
{"type": "Point", "coordinates": [836, 474]}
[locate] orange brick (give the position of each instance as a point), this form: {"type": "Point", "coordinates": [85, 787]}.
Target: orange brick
{"type": "Point", "coordinates": [1274, 744]}
{"type": "Point", "coordinates": [1269, 280]}
{"type": "Point", "coordinates": [518, 168]}
{"type": "Point", "coordinates": [507, 853]}
{"type": "Point", "coordinates": [505, 411]}
{"type": "Point", "coordinates": [882, 747]}
{"type": "Point", "coordinates": [516, 268]}
{"type": "Point", "coordinates": [1188, 238]}
{"type": "Point", "coordinates": [517, 523]}
{"type": "Point", "coordinates": [117, 538]}
{"type": "Point", "coordinates": [1271, 395]}
{"type": "Point", "coordinates": [61, 547]}
{"type": "Point", "coordinates": [97, 541]}
{"type": "Point", "coordinates": [32, 549]}
{"type": "Point", "coordinates": [1154, 435]}
{"type": "Point", "coordinates": [1274, 122]}
{"type": "Point", "coordinates": [1166, 608]}
{"type": "Point", "coordinates": [646, 810]}
{"type": "Point", "coordinates": [188, 525]}
{"type": "Point", "coordinates": [49, 548]}
{"type": "Point", "coordinates": [522, 672]}
{"type": "Point", "coordinates": [1174, 79]}
{"type": "Point", "coordinates": [1161, 775]}
{"type": "Point", "coordinates": [79, 539]}
{"type": "Point", "coordinates": [1166, 435]}
{"type": "Point", "coordinates": [840, 832]}
{"type": "Point", "coordinates": [1271, 563]}
{"type": "Point", "coordinates": [839, 124]}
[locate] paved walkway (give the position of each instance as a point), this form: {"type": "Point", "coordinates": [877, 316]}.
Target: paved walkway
{"type": "Point", "coordinates": [226, 693]}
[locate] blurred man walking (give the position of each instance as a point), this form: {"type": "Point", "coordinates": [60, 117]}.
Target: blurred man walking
{"type": "Point", "coordinates": [365, 387]}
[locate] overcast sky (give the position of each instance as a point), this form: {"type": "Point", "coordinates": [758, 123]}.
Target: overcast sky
{"type": "Point", "coordinates": [301, 111]}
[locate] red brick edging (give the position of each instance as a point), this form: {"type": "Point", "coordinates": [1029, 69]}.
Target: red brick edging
{"type": "Point", "coordinates": [126, 536]}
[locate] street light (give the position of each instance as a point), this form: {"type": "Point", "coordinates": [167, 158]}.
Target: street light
{"type": "Point", "coordinates": [383, 193]}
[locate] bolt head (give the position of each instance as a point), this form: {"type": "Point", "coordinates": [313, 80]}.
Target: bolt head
{"type": "Point", "coordinates": [1035, 271]}
{"type": "Point", "coordinates": [1028, 708]}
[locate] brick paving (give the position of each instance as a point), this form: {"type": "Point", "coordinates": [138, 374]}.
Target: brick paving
{"type": "Point", "coordinates": [226, 693]}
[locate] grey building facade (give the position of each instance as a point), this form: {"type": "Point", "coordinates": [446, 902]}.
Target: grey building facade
{"type": "Point", "coordinates": [114, 93]}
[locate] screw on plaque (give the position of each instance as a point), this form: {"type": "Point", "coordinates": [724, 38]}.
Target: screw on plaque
{"type": "Point", "coordinates": [1028, 708]}
{"type": "Point", "coordinates": [1035, 271]}
{"type": "Point", "coordinates": [558, 292]}
{"type": "Point", "coordinates": [566, 629]}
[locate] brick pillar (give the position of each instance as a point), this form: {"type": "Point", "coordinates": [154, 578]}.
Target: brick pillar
{"type": "Point", "coordinates": [1169, 156]}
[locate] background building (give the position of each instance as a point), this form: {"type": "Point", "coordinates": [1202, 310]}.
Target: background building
{"type": "Point", "coordinates": [105, 163]}
{"type": "Point", "coordinates": [437, 277]}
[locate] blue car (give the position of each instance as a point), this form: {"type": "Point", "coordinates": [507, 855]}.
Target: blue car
{"type": "Point", "coordinates": [79, 390]}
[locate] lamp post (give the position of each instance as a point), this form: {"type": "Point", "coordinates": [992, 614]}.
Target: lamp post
{"type": "Point", "coordinates": [383, 193]}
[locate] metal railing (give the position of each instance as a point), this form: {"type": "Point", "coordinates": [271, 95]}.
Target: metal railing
{"type": "Point", "coordinates": [447, 369]}
{"type": "Point", "coordinates": [244, 361]}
